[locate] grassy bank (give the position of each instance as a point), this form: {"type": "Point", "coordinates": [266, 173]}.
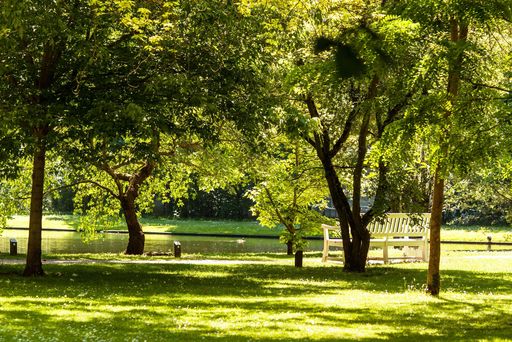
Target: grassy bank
{"type": "Point", "coordinates": [151, 224]}
{"type": "Point", "coordinates": [259, 302]}
{"type": "Point", "coordinates": [157, 224]}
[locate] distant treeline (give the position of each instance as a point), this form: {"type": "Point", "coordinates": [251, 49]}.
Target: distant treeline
{"type": "Point", "coordinates": [219, 204]}
{"type": "Point", "coordinates": [232, 204]}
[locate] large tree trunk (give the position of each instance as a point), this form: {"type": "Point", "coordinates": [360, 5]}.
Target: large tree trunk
{"type": "Point", "coordinates": [136, 235]}
{"type": "Point", "coordinates": [355, 251]}
{"type": "Point", "coordinates": [127, 196]}
{"type": "Point", "coordinates": [34, 266]}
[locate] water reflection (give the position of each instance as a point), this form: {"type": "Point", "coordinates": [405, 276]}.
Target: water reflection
{"type": "Point", "coordinates": [70, 242]}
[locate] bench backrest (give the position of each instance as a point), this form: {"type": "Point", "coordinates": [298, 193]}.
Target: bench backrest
{"type": "Point", "coordinates": [394, 224]}
{"type": "Point", "coordinates": [401, 224]}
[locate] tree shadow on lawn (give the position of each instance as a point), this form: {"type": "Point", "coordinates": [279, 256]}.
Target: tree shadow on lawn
{"type": "Point", "coordinates": [255, 278]}
{"type": "Point", "coordinates": [41, 327]}
{"type": "Point", "coordinates": [190, 320]}
{"type": "Point", "coordinates": [214, 293]}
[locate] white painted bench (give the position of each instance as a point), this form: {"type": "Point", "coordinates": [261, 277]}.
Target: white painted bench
{"type": "Point", "coordinates": [402, 230]}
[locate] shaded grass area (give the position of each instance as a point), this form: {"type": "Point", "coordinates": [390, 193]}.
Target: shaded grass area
{"type": "Point", "coordinates": [270, 302]}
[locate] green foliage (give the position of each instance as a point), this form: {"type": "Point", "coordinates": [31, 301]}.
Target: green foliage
{"type": "Point", "coordinates": [289, 190]}
{"type": "Point", "coordinates": [191, 76]}
{"type": "Point", "coordinates": [97, 212]}
{"type": "Point", "coordinates": [347, 60]}
{"type": "Point", "coordinates": [468, 126]}
{"type": "Point", "coordinates": [483, 196]}
{"type": "Point", "coordinates": [387, 81]}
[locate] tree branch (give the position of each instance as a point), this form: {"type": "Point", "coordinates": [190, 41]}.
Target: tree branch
{"type": "Point", "coordinates": [114, 176]}
{"type": "Point", "coordinates": [344, 135]}
{"type": "Point", "coordinates": [73, 185]}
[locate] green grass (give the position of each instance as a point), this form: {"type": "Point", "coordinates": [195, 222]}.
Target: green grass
{"type": "Point", "coordinates": [260, 302]}
{"type": "Point", "coordinates": [477, 233]}
{"type": "Point", "coordinates": [152, 224]}
{"type": "Point", "coordinates": [155, 224]}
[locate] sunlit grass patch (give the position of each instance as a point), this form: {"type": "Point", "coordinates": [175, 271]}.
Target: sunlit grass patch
{"type": "Point", "coordinates": [258, 301]}
{"type": "Point", "coordinates": [159, 224]}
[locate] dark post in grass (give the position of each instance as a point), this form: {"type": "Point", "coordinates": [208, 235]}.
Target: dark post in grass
{"type": "Point", "coordinates": [177, 249]}
{"type": "Point", "coordinates": [489, 242]}
{"type": "Point", "coordinates": [14, 247]}
{"type": "Point", "coordinates": [298, 258]}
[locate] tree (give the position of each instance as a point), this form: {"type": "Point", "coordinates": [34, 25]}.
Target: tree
{"type": "Point", "coordinates": [357, 85]}
{"type": "Point", "coordinates": [47, 52]}
{"type": "Point", "coordinates": [458, 32]}
{"type": "Point", "coordinates": [289, 190]}
{"type": "Point", "coordinates": [195, 77]}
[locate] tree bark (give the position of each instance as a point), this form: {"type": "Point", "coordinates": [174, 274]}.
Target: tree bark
{"type": "Point", "coordinates": [127, 194]}
{"type": "Point", "coordinates": [433, 276]}
{"type": "Point", "coordinates": [355, 251]}
{"type": "Point", "coordinates": [136, 235]}
{"type": "Point", "coordinates": [34, 266]}
{"type": "Point", "coordinates": [458, 33]}
{"type": "Point", "coordinates": [289, 248]}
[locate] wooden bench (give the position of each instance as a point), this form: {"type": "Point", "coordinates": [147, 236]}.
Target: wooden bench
{"type": "Point", "coordinates": [401, 230]}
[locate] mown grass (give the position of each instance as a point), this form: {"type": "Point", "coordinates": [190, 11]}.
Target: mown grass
{"type": "Point", "coordinates": [477, 233]}
{"type": "Point", "coordinates": [157, 224]}
{"type": "Point", "coordinates": [259, 302]}
{"type": "Point", "coordinates": [154, 224]}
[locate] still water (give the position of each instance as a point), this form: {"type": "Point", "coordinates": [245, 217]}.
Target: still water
{"type": "Point", "coordinates": [70, 242]}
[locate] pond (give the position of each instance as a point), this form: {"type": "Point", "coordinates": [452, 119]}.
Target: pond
{"type": "Point", "coordinates": [70, 242]}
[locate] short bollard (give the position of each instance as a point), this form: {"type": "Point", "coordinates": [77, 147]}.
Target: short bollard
{"type": "Point", "coordinates": [489, 242]}
{"type": "Point", "coordinates": [177, 249]}
{"type": "Point", "coordinates": [298, 258]}
{"type": "Point", "coordinates": [14, 247]}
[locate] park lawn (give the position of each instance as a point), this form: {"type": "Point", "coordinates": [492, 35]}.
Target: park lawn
{"type": "Point", "coordinates": [155, 224]}
{"type": "Point", "coordinates": [477, 233]}
{"type": "Point", "coordinates": [271, 301]}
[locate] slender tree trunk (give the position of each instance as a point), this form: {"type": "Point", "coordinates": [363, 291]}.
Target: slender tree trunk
{"type": "Point", "coordinates": [291, 229]}
{"type": "Point", "coordinates": [136, 235]}
{"type": "Point", "coordinates": [459, 33]}
{"type": "Point", "coordinates": [289, 248]}
{"type": "Point", "coordinates": [433, 277]}
{"type": "Point", "coordinates": [34, 266]}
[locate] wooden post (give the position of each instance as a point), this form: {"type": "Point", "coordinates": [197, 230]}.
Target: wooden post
{"type": "Point", "coordinates": [14, 247]}
{"type": "Point", "coordinates": [177, 249]}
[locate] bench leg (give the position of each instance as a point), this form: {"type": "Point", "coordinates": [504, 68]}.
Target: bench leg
{"type": "Point", "coordinates": [425, 250]}
{"type": "Point", "coordinates": [325, 252]}
{"type": "Point", "coordinates": [385, 253]}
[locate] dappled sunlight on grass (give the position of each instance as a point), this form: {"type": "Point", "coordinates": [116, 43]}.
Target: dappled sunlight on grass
{"type": "Point", "coordinates": [240, 302]}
